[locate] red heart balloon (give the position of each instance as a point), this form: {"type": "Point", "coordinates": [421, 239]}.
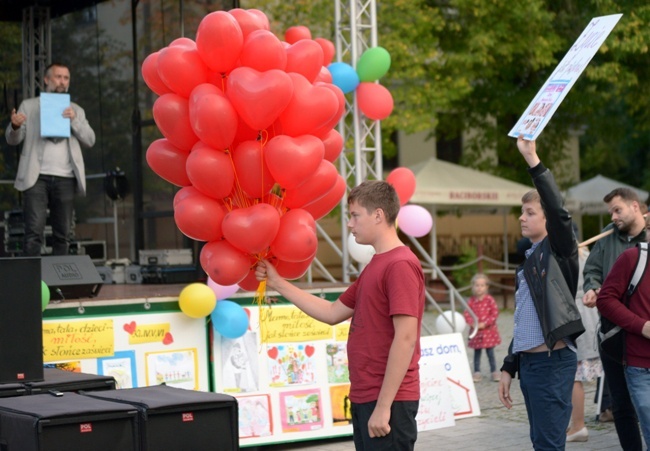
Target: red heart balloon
{"type": "Point", "coordinates": [212, 116]}
{"type": "Point", "coordinates": [151, 77]}
{"type": "Point", "coordinates": [297, 33]}
{"type": "Point", "coordinates": [263, 51]}
{"type": "Point", "coordinates": [292, 270]}
{"type": "Point", "coordinates": [296, 240]}
{"type": "Point", "coordinates": [333, 142]}
{"type": "Point", "coordinates": [181, 69]}
{"type": "Point", "coordinates": [328, 50]}
{"type": "Point", "coordinates": [327, 127]}
{"type": "Point", "coordinates": [259, 97]}
{"type": "Point", "coordinates": [199, 217]}
{"type": "Point", "coordinates": [310, 108]}
{"type": "Point", "coordinates": [252, 229]}
{"type": "Point", "coordinates": [172, 116]}
{"type": "Point", "coordinates": [250, 20]}
{"type": "Point", "coordinates": [320, 207]}
{"type": "Point", "coordinates": [210, 171]}
{"type": "Point", "coordinates": [312, 188]}
{"type": "Point", "coordinates": [324, 76]}
{"type": "Point", "coordinates": [292, 160]}
{"type": "Point", "coordinates": [219, 41]}
{"type": "Point", "coordinates": [168, 162]}
{"type": "Point", "coordinates": [253, 174]}
{"type": "Point", "coordinates": [305, 57]}
{"type": "Point", "coordinates": [374, 100]}
{"type": "Point", "coordinates": [223, 263]}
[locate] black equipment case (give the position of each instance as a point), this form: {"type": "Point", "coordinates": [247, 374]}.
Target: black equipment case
{"type": "Point", "coordinates": [179, 419]}
{"type": "Point", "coordinates": [67, 422]}
{"type": "Point", "coordinates": [66, 381]}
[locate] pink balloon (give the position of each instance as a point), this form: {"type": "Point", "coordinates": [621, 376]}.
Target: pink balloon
{"type": "Point", "coordinates": [305, 57]}
{"type": "Point", "coordinates": [263, 51]}
{"type": "Point", "coordinates": [259, 97]}
{"type": "Point", "coordinates": [172, 116]}
{"type": "Point", "coordinates": [292, 160]}
{"type": "Point", "coordinates": [414, 220]}
{"type": "Point", "coordinates": [210, 171]}
{"type": "Point", "coordinates": [375, 101]}
{"type": "Point", "coordinates": [212, 117]}
{"type": "Point", "coordinates": [168, 162]}
{"type": "Point", "coordinates": [222, 292]}
{"type": "Point", "coordinates": [403, 180]}
{"type": "Point", "coordinates": [219, 41]}
{"type": "Point", "coordinates": [151, 77]}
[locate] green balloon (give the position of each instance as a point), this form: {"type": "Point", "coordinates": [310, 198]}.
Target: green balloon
{"type": "Point", "coordinates": [373, 64]}
{"type": "Point", "coordinates": [45, 295]}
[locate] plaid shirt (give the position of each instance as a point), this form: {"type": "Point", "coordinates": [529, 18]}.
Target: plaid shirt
{"type": "Point", "coordinates": [528, 330]}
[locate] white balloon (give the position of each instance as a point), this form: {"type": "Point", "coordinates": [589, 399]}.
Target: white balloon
{"type": "Point", "coordinates": [360, 252]}
{"type": "Point", "coordinates": [444, 327]}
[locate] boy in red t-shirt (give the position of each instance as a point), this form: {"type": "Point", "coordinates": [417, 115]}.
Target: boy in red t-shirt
{"type": "Point", "coordinates": [386, 304]}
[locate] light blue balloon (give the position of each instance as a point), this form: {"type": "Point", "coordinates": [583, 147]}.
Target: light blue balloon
{"type": "Point", "coordinates": [229, 319]}
{"type": "Point", "coordinates": [344, 76]}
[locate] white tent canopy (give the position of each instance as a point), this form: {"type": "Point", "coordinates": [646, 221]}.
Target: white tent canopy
{"type": "Point", "coordinates": [588, 196]}
{"type": "Point", "coordinates": [444, 186]}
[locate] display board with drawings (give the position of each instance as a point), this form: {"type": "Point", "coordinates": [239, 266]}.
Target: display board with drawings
{"type": "Point", "coordinates": [289, 373]}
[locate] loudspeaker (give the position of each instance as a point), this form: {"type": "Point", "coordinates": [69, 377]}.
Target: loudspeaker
{"type": "Point", "coordinates": [70, 276]}
{"type": "Point", "coordinates": [21, 322]}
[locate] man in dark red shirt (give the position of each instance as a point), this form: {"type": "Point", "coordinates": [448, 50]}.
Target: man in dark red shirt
{"type": "Point", "coordinates": [635, 319]}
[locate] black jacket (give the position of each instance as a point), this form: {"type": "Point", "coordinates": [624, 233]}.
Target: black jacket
{"type": "Point", "coordinates": [551, 271]}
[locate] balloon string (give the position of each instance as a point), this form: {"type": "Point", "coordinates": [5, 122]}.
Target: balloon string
{"type": "Point", "coordinates": [240, 198]}
{"type": "Point", "coordinates": [260, 294]}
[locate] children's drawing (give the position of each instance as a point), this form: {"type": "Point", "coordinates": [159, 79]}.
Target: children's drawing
{"type": "Point", "coordinates": [301, 410]}
{"type": "Point", "coordinates": [255, 416]}
{"type": "Point", "coordinates": [337, 363]}
{"type": "Point", "coordinates": [291, 364]}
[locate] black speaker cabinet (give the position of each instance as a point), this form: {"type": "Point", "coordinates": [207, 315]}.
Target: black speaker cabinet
{"type": "Point", "coordinates": [64, 381]}
{"type": "Point", "coordinates": [70, 276]}
{"type": "Point", "coordinates": [21, 322]}
{"type": "Point", "coordinates": [178, 419]}
{"type": "Point", "coordinates": [69, 422]}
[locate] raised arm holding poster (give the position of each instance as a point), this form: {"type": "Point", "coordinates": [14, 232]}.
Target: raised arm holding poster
{"type": "Point", "coordinates": [550, 96]}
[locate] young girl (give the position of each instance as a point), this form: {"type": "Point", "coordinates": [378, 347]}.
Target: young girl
{"type": "Point", "coordinates": [487, 336]}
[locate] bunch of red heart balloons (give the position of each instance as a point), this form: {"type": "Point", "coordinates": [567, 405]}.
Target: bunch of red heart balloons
{"type": "Point", "coordinates": [247, 121]}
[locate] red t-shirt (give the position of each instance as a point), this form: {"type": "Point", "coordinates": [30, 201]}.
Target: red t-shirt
{"type": "Point", "coordinates": [391, 284]}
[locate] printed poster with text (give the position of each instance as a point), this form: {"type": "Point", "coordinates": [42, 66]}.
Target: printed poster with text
{"type": "Point", "coordinates": [556, 88]}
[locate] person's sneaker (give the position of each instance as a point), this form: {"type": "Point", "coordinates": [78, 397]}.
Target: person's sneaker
{"type": "Point", "coordinates": [580, 436]}
{"type": "Point", "coordinates": [496, 376]}
{"type": "Point", "coordinates": [606, 416]}
{"type": "Point", "coordinates": [477, 377]}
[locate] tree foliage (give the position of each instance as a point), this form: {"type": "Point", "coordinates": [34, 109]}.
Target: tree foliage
{"type": "Point", "coordinates": [482, 62]}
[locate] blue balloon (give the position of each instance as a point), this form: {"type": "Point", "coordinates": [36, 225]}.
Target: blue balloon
{"type": "Point", "coordinates": [229, 319]}
{"type": "Point", "coordinates": [344, 76]}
